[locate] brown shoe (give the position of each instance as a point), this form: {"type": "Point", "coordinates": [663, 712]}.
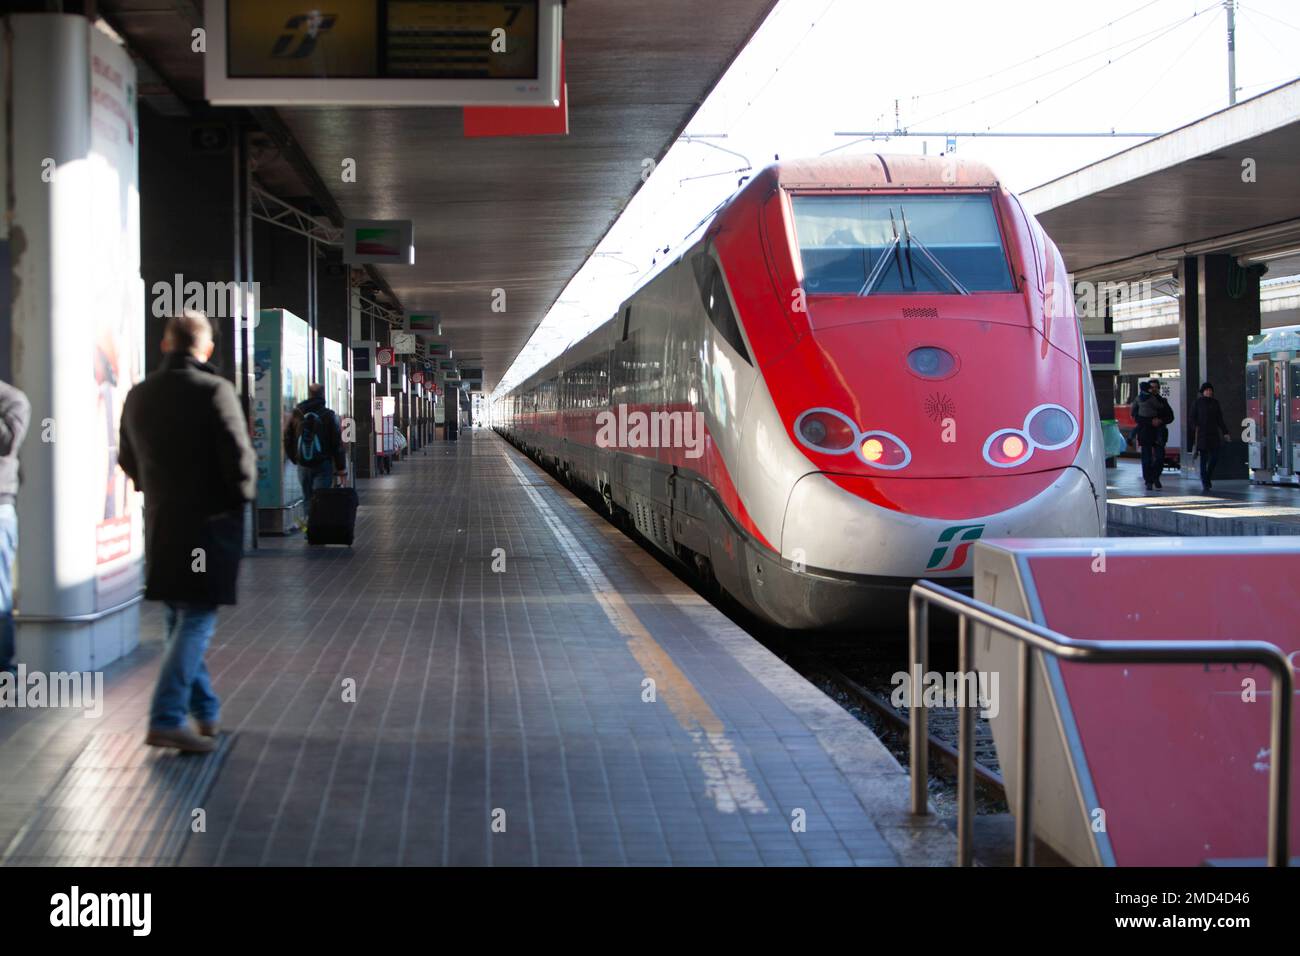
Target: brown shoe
{"type": "Point", "coordinates": [182, 738]}
{"type": "Point", "coordinates": [208, 728]}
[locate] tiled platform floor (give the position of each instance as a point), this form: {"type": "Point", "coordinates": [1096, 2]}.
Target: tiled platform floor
{"type": "Point", "coordinates": [1180, 508]}
{"type": "Point", "coordinates": [500, 716]}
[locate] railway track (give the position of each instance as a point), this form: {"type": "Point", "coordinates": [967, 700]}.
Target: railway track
{"type": "Point", "coordinates": [942, 739]}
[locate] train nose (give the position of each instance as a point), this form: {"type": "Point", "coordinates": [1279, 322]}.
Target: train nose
{"type": "Point", "coordinates": [852, 525]}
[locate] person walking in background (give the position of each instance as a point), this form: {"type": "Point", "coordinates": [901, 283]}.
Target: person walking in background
{"type": "Point", "coordinates": [1208, 427]}
{"type": "Point", "coordinates": [1146, 412]}
{"type": "Point", "coordinates": [313, 440]}
{"type": "Point", "coordinates": [15, 414]}
{"type": "Point", "coordinates": [184, 442]}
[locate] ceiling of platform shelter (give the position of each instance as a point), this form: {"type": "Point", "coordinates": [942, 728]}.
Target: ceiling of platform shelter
{"type": "Point", "coordinates": [1231, 174]}
{"type": "Point", "coordinates": [519, 214]}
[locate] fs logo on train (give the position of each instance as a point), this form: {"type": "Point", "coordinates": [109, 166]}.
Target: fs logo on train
{"type": "Point", "coordinates": [958, 538]}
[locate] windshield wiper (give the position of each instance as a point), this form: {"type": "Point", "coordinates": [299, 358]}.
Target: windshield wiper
{"type": "Point", "coordinates": [879, 268]}
{"type": "Point", "coordinates": [934, 260]}
{"type": "Point", "coordinates": [911, 274]}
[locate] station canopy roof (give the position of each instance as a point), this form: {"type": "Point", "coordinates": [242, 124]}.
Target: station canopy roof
{"type": "Point", "coordinates": [516, 213]}
{"type": "Point", "coordinates": [1229, 182]}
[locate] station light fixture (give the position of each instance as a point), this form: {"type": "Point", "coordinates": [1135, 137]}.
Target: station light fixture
{"type": "Point", "coordinates": [1269, 256]}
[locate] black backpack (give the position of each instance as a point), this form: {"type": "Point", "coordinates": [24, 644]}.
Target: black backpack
{"type": "Point", "coordinates": [313, 439]}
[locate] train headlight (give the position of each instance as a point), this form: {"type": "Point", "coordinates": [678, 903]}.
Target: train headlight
{"type": "Point", "coordinates": [1008, 448]}
{"type": "Point", "coordinates": [826, 430]}
{"type": "Point", "coordinates": [1051, 427]}
{"type": "Point", "coordinates": [883, 450]}
{"type": "Point", "coordinates": [1046, 428]}
{"type": "Point", "coordinates": [931, 362]}
{"type": "Point", "coordinates": [834, 433]}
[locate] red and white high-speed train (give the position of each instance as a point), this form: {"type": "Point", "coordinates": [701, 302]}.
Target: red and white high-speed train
{"type": "Point", "coordinates": [857, 367]}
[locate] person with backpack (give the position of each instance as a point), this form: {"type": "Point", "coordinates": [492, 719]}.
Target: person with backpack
{"type": "Point", "coordinates": [1146, 412]}
{"type": "Point", "coordinates": [313, 440]}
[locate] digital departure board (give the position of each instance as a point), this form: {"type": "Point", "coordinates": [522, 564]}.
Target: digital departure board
{"type": "Point", "coordinates": [384, 52]}
{"type": "Point", "coordinates": [429, 38]}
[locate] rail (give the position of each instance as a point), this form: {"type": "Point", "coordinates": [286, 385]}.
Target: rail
{"type": "Point", "coordinates": [1035, 639]}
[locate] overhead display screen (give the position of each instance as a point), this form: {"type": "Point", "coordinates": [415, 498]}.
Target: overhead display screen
{"type": "Point", "coordinates": [1103, 352]}
{"type": "Point", "coordinates": [375, 39]}
{"type": "Point", "coordinates": [417, 52]}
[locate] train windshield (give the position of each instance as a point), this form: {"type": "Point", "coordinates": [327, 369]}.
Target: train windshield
{"type": "Point", "coordinates": [892, 244]}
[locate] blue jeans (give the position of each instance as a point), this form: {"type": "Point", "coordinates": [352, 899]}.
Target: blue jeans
{"type": "Point", "coordinates": [315, 477]}
{"type": "Point", "coordinates": [8, 548]}
{"type": "Point", "coordinates": [184, 686]}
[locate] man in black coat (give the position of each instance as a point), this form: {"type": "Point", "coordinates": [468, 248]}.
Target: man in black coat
{"type": "Point", "coordinates": [184, 442]}
{"type": "Point", "coordinates": [1146, 412]}
{"type": "Point", "coordinates": [1208, 427]}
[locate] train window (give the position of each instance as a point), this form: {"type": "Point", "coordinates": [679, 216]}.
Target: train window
{"type": "Point", "coordinates": [713, 293]}
{"type": "Point", "coordinates": [929, 243]}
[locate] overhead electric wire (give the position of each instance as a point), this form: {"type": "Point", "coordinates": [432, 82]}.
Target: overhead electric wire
{"type": "Point", "coordinates": [1209, 22]}
{"type": "Point", "coordinates": [1108, 63]}
{"type": "Point", "coordinates": [1162, 30]}
{"type": "Point", "coordinates": [794, 49]}
{"type": "Point", "coordinates": [1250, 18]}
{"type": "Point", "coordinates": [1036, 56]}
{"type": "Point", "coordinates": [1268, 15]}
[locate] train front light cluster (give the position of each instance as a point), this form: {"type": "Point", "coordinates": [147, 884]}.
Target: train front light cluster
{"type": "Point", "coordinates": [1046, 428]}
{"type": "Point", "coordinates": [826, 430]}
{"type": "Point", "coordinates": [833, 433]}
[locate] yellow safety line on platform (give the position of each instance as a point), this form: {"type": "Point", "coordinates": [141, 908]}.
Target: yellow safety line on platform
{"type": "Point", "coordinates": [727, 783]}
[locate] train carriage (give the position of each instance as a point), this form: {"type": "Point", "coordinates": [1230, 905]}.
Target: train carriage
{"type": "Point", "coordinates": [856, 368]}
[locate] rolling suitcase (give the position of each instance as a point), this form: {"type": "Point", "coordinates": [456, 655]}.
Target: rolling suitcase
{"type": "Point", "coordinates": [332, 516]}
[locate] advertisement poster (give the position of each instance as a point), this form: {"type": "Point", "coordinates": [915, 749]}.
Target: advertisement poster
{"type": "Point", "coordinates": [116, 338]}
{"type": "Point", "coordinates": [263, 424]}
{"type": "Point", "coordinates": [295, 347]}
{"type": "Point", "coordinates": [281, 346]}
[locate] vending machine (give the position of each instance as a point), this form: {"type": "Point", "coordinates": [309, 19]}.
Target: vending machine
{"type": "Point", "coordinates": [1273, 405]}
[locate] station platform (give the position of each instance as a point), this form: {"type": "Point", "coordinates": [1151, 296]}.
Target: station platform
{"type": "Point", "coordinates": [500, 717]}
{"type": "Point", "coordinates": [1233, 508]}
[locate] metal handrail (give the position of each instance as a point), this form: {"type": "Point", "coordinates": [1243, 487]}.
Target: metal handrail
{"type": "Point", "coordinates": [1034, 638]}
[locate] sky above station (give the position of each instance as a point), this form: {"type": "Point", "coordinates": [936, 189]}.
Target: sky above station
{"type": "Point", "coordinates": [820, 68]}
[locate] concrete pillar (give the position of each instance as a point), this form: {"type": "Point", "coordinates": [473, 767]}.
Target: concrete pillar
{"type": "Point", "coordinates": [1228, 313]}
{"type": "Point", "coordinates": [283, 269]}
{"type": "Point", "coordinates": [1189, 353]}
{"type": "Point", "coordinates": [363, 446]}
{"type": "Point", "coordinates": [75, 322]}
{"type": "Point", "coordinates": [195, 166]}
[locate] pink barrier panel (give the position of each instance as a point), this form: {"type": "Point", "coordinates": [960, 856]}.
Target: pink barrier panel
{"type": "Point", "coordinates": [1177, 756]}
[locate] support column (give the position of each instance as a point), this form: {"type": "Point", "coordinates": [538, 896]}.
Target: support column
{"type": "Point", "coordinates": [1228, 313]}
{"type": "Point", "coordinates": [363, 391]}
{"type": "Point", "coordinates": [1189, 354]}
{"type": "Point", "coordinates": [75, 323]}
